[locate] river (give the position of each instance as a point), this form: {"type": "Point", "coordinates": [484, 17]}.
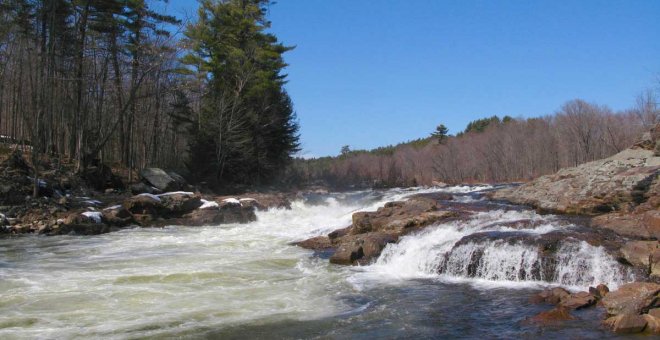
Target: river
{"type": "Point", "coordinates": [247, 281]}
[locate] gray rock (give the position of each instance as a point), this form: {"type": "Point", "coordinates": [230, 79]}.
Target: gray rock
{"type": "Point", "coordinates": [159, 179]}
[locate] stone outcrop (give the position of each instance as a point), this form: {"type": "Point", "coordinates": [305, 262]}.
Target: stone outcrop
{"type": "Point", "coordinates": [612, 184]}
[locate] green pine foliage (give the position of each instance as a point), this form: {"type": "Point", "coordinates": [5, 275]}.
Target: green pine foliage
{"type": "Point", "coordinates": [247, 128]}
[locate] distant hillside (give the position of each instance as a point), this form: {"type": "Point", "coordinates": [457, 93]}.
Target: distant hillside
{"type": "Point", "coordinates": [491, 149]}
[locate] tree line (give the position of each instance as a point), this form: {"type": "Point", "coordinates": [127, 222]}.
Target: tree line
{"type": "Point", "coordinates": [116, 81]}
{"type": "Point", "coordinates": [489, 149]}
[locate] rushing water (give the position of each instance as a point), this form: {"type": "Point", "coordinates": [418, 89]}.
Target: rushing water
{"type": "Point", "coordinates": [247, 281]}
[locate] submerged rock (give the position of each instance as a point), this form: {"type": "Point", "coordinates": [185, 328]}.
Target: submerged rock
{"type": "Point", "coordinates": [552, 316]}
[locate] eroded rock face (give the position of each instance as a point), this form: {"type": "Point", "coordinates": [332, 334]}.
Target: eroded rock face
{"type": "Point", "coordinates": [224, 213]}
{"type": "Point", "coordinates": [118, 216]}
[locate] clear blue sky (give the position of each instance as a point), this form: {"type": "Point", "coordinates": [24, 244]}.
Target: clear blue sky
{"type": "Point", "coordinates": [373, 73]}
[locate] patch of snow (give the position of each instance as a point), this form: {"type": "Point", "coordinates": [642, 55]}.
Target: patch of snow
{"type": "Point", "coordinates": [208, 204]}
{"type": "Point", "coordinates": [231, 201]}
{"type": "Point", "coordinates": [94, 215]}
{"type": "Point", "coordinates": [150, 195]}
{"type": "Point", "coordinates": [177, 193]}
{"type": "Point", "coordinates": [247, 200]}
{"type": "Point", "coordinates": [114, 207]}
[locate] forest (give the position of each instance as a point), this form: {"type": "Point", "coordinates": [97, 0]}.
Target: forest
{"type": "Point", "coordinates": [489, 150]}
{"type": "Point", "coordinates": [84, 82]}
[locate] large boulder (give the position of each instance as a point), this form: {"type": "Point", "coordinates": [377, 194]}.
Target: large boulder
{"type": "Point", "coordinates": [632, 298]}
{"type": "Point", "coordinates": [396, 217]}
{"type": "Point", "coordinates": [159, 179]}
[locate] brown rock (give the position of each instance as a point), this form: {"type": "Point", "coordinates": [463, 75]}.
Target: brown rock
{"type": "Point", "coordinates": [654, 312]}
{"type": "Point", "coordinates": [652, 323]}
{"type": "Point", "coordinates": [552, 296]}
{"type": "Point", "coordinates": [552, 316]}
{"type": "Point", "coordinates": [578, 300]}
{"type": "Point", "coordinates": [226, 213]}
{"type": "Point", "coordinates": [639, 253]}
{"type": "Point", "coordinates": [395, 217]}
{"type": "Point", "coordinates": [361, 249]}
{"type": "Point", "coordinates": [316, 243]}
{"type": "Point", "coordinates": [118, 216]}
{"type": "Point", "coordinates": [639, 225]}
{"type": "Point", "coordinates": [143, 204]}
{"type": "Point", "coordinates": [179, 203]}
{"type": "Point", "coordinates": [626, 323]}
{"type": "Point", "coordinates": [600, 291]}
{"type": "Point", "coordinates": [632, 298]}
{"type": "Point", "coordinates": [339, 233]}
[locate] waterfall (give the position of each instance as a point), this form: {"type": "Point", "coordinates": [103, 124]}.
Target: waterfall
{"type": "Point", "coordinates": [487, 247]}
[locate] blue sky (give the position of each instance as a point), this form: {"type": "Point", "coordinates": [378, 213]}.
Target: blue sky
{"type": "Point", "coordinates": [373, 73]}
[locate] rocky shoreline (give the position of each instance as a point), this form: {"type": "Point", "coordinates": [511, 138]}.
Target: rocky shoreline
{"type": "Point", "coordinates": [619, 198]}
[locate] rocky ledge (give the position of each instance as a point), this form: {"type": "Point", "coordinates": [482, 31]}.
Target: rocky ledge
{"type": "Point", "coordinates": [370, 232]}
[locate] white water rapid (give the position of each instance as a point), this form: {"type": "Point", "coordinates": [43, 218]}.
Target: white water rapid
{"type": "Point", "coordinates": [176, 280]}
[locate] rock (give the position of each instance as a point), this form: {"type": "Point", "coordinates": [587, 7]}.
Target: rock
{"type": "Point", "coordinates": [361, 249]}
{"type": "Point", "coordinates": [655, 264]}
{"type": "Point", "coordinates": [81, 229]}
{"type": "Point", "coordinates": [644, 225]}
{"type": "Point", "coordinates": [142, 188]}
{"type": "Point", "coordinates": [315, 243]}
{"type": "Point", "coordinates": [638, 253]}
{"type": "Point", "coordinates": [339, 233]}
{"type": "Point", "coordinates": [552, 296]}
{"type": "Point", "coordinates": [175, 204]}
{"type": "Point", "coordinates": [596, 187]}
{"type": "Point", "coordinates": [143, 204]}
{"type": "Point", "coordinates": [552, 316]}
{"type": "Point", "coordinates": [632, 298]}
{"type": "Point", "coordinates": [227, 213]}
{"type": "Point", "coordinates": [578, 300]}
{"type": "Point", "coordinates": [180, 181]}
{"type": "Point", "coordinates": [395, 217]}
{"type": "Point", "coordinates": [655, 312]}
{"type": "Point", "coordinates": [159, 179]}
{"type": "Point", "coordinates": [652, 323]}
{"type": "Point", "coordinates": [600, 291]}
{"type": "Point", "coordinates": [118, 216]}
{"type": "Point", "coordinates": [626, 323]}
{"type": "Point", "coordinates": [100, 177]}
